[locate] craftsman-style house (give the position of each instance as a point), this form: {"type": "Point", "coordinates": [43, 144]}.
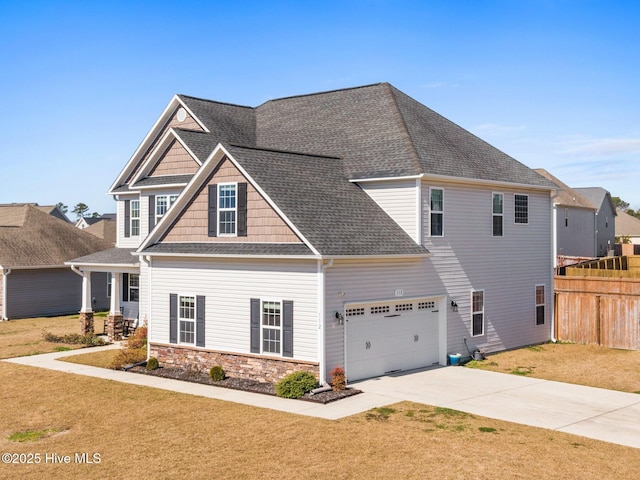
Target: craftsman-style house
{"type": "Point", "coordinates": [353, 228]}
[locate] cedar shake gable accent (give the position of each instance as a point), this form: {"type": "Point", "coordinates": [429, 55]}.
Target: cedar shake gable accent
{"type": "Point", "coordinates": [198, 222]}
{"type": "Point", "coordinates": [174, 161]}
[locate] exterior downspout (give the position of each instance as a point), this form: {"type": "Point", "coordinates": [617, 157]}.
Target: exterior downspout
{"type": "Point", "coordinates": [322, 267]}
{"type": "Point", "coordinates": [554, 252]}
{"type": "Point", "coordinates": [5, 273]}
{"type": "Point", "coordinates": [147, 260]}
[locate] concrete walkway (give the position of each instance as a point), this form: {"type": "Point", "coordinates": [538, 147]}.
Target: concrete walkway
{"type": "Point", "coordinates": [589, 412]}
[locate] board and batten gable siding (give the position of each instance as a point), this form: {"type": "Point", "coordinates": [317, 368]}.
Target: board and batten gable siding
{"type": "Point", "coordinates": [43, 292]}
{"type": "Point", "coordinates": [363, 281]}
{"type": "Point", "coordinates": [229, 286]}
{"type": "Point", "coordinates": [468, 257]}
{"type": "Point", "coordinates": [400, 200]}
{"type": "Point", "coordinates": [263, 222]}
{"type": "Point", "coordinates": [188, 124]}
{"type": "Point", "coordinates": [576, 231]}
{"type": "Point", "coordinates": [175, 161]}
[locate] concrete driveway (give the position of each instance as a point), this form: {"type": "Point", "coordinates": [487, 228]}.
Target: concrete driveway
{"type": "Point", "coordinates": [590, 412]}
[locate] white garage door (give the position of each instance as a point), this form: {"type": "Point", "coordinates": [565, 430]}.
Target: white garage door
{"type": "Point", "coordinates": [390, 336]}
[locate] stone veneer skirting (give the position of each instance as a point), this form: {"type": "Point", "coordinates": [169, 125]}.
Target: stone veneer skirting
{"type": "Point", "coordinates": [252, 367]}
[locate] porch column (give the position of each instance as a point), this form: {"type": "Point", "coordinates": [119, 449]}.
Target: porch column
{"type": "Point", "coordinates": [3, 310]}
{"type": "Point", "coordinates": [86, 312]}
{"type": "Point", "coordinates": [114, 319]}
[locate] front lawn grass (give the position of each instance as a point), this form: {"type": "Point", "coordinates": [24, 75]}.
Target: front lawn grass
{"type": "Point", "coordinates": [141, 432]}
{"type": "Point", "coordinates": [571, 363]}
{"type": "Point", "coordinates": [19, 338]}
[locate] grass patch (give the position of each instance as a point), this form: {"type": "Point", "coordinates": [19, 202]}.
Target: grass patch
{"type": "Point", "coordinates": [571, 363]}
{"type": "Point", "coordinates": [102, 358]}
{"type": "Point", "coordinates": [487, 429]}
{"type": "Point", "coordinates": [62, 349]}
{"type": "Point", "coordinates": [451, 413]}
{"type": "Point", "coordinates": [31, 435]}
{"type": "Point", "coordinates": [380, 413]}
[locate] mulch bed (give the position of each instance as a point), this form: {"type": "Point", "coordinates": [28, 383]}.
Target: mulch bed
{"type": "Point", "coordinates": [240, 384]}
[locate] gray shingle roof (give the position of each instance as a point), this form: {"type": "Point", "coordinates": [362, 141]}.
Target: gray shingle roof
{"type": "Point", "coordinates": [111, 256]}
{"type": "Point", "coordinates": [226, 122]}
{"type": "Point", "coordinates": [231, 248]}
{"type": "Point", "coordinates": [163, 180]}
{"type": "Point", "coordinates": [597, 196]}
{"type": "Point", "coordinates": [566, 196]}
{"type": "Point", "coordinates": [336, 216]}
{"type": "Point", "coordinates": [200, 143]}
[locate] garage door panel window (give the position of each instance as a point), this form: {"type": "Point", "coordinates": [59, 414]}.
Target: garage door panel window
{"type": "Point", "coordinates": [477, 313]}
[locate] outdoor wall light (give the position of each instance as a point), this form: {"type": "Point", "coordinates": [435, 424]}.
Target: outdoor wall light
{"type": "Point", "coordinates": [340, 318]}
{"type": "Point", "coordinates": [454, 306]}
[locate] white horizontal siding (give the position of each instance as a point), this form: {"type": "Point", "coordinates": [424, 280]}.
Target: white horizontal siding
{"type": "Point", "coordinates": [507, 268]}
{"type": "Point", "coordinates": [399, 199]}
{"type": "Point", "coordinates": [228, 287]}
{"type": "Point", "coordinates": [366, 281]}
{"type": "Point", "coordinates": [122, 241]}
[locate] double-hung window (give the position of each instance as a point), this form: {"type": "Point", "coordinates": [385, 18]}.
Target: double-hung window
{"type": "Point", "coordinates": [134, 287]}
{"type": "Point", "coordinates": [163, 203]}
{"type": "Point", "coordinates": [135, 218]}
{"type": "Point", "coordinates": [436, 207]}
{"type": "Point", "coordinates": [227, 208]}
{"type": "Point", "coordinates": [498, 214]}
{"type": "Point", "coordinates": [521, 208]}
{"type": "Point", "coordinates": [271, 327]}
{"type": "Point", "coordinates": [477, 313]}
{"type": "Point", "coordinates": [187, 319]}
{"type": "Point", "coordinates": [540, 304]}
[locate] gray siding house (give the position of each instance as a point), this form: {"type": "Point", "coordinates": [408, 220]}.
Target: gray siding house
{"type": "Point", "coordinates": [353, 228]}
{"type": "Point", "coordinates": [34, 244]}
{"type": "Point", "coordinates": [605, 218]}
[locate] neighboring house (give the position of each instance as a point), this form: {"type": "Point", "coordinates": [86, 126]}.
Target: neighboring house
{"type": "Point", "coordinates": [104, 226]}
{"type": "Point", "coordinates": [605, 218]}
{"type": "Point", "coordinates": [574, 220]}
{"type": "Point", "coordinates": [627, 226]}
{"type": "Point", "coordinates": [53, 210]}
{"type": "Point", "coordinates": [34, 244]}
{"type": "Point", "coordinates": [352, 228]}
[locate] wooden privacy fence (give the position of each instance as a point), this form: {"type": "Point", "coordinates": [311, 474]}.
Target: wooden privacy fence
{"type": "Point", "coordinates": [598, 311]}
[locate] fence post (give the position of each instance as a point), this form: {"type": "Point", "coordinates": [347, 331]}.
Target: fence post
{"type": "Point", "coordinates": [598, 330]}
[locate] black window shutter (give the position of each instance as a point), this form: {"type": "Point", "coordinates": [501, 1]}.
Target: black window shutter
{"type": "Point", "coordinates": [125, 287]}
{"type": "Point", "coordinates": [127, 218]}
{"type": "Point", "coordinates": [255, 325]}
{"type": "Point", "coordinates": [173, 318]}
{"type": "Point", "coordinates": [152, 212]}
{"type": "Point", "coordinates": [200, 321]}
{"type": "Point", "coordinates": [287, 328]}
{"type": "Point", "coordinates": [242, 209]}
{"type": "Point", "coordinates": [213, 206]}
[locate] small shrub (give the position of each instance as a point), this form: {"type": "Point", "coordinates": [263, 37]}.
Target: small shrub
{"type": "Point", "coordinates": [338, 380]}
{"type": "Point", "coordinates": [134, 351]}
{"type": "Point", "coordinates": [217, 373]}
{"type": "Point", "coordinates": [296, 384]}
{"type": "Point", "coordinates": [90, 339]}
{"type": "Point", "coordinates": [152, 364]}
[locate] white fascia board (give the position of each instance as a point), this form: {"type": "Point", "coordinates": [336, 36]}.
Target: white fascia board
{"type": "Point", "coordinates": [133, 161]}
{"type": "Point", "coordinates": [164, 186]}
{"type": "Point", "coordinates": [148, 139]}
{"type": "Point", "coordinates": [386, 179]}
{"type": "Point", "coordinates": [483, 182]}
{"type": "Point", "coordinates": [106, 267]}
{"type": "Point", "coordinates": [229, 255]}
{"type": "Point", "coordinates": [161, 147]}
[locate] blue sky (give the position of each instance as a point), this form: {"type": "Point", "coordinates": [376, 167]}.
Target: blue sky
{"type": "Point", "coordinates": [554, 84]}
